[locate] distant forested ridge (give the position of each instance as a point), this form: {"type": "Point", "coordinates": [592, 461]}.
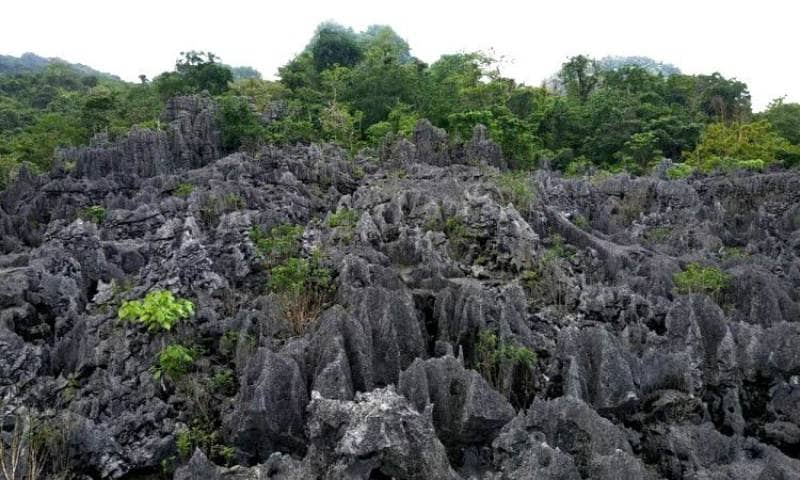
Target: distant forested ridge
{"type": "Point", "coordinates": [32, 63]}
{"type": "Point", "coordinates": [357, 89]}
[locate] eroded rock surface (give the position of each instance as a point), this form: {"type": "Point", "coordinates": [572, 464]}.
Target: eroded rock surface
{"type": "Point", "coordinates": [631, 378]}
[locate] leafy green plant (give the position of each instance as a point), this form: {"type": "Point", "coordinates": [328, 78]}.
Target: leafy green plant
{"type": "Point", "coordinates": [679, 170]}
{"type": "Point", "coordinates": [580, 221]}
{"type": "Point", "coordinates": [159, 310]}
{"type": "Point", "coordinates": [71, 388]}
{"type": "Point", "coordinates": [753, 165]}
{"type": "Point", "coordinates": [529, 278]}
{"type": "Point", "coordinates": [183, 190]}
{"type": "Point", "coordinates": [733, 252]}
{"type": "Point", "coordinates": [204, 436]}
{"type": "Point", "coordinates": [515, 187]}
{"type": "Point", "coordinates": [547, 282]}
{"type": "Point", "coordinates": [174, 362]}
{"type": "Point", "coordinates": [233, 201]}
{"type": "Point", "coordinates": [226, 452]}
{"type": "Point", "coordinates": [183, 443]}
{"type": "Point", "coordinates": [223, 382]}
{"type": "Point", "coordinates": [278, 244]}
{"type": "Point", "coordinates": [502, 363]}
{"type": "Point", "coordinates": [344, 217]}
{"type": "Point", "coordinates": [696, 278]}
{"type": "Point", "coordinates": [736, 145]}
{"type": "Point", "coordinates": [210, 210]}
{"type": "Point", "coordinates": [344, 220]}
{"type": "Point", "coordinates": [240, 125]}
{"type": "Point", "coordinates": [557, 249]}
{"type": "Point", "coordinates": [657, 234]}
{"type": "Point", "coordinates": [458, 236]}
{"type": "Point", "coordinates": [303, 287]}
{"type": "Point", "coordinates": [95, 214]}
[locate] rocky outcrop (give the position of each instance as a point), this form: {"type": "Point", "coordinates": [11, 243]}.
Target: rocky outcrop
{"type": "Point", "coordinates": [378, 435]}
{"type": "Point", "coordinates": [466, 409]}
{"type": "Point", "coordinates": [624, 377]}
{"type": "Point", "coordinates": [190, 139]}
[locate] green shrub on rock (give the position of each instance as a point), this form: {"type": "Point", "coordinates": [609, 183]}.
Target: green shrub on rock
{"type": "Point", "coordinates": [698, 279]}
{"type": "Point", "coordinates": [183, 190]}
{"type": "Point", "coordinates": [303, 287]}
{"type": "Point", "coordinates": [95, 214]}
{"type": "Point", "coordinates": [345, 217]}
{"type": "Point", "coordinates": [174, 362]}
{"type": "Point", "coordinates": [159, 310]}
{"type": "Point", "coordinates": [679, 171]}
{"type": "Point", "coordinates": [278, 244]}
{"type": "Point", "coordinates": [499, 363]}
{"type": "Point", "coordinates": [515, 187]}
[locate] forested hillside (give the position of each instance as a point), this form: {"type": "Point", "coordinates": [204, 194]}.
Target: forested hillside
{"type": "Point", "coordinates": [355, 88]}
{"type": "Point", "coordinates": [373, 268]}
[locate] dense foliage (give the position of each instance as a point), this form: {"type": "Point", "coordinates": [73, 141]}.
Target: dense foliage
{"type": "Point", "coordinates": [355, 88]}
{"type": "Point", "coordinates": [173, 362]}
{"type": "Point", "coordinates": [696, 278]}
{"type": "Point", "coordinates": [159, 310]}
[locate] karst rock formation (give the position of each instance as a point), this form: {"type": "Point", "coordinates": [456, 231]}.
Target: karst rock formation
{"type": "Point", "coordinates": [632, 379]}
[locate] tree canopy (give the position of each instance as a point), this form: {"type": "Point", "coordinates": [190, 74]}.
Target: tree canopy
{"type": "Point", "coordinates": [357, 88]}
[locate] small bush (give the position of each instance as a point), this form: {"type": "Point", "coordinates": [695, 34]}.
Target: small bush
{"type": "Point", "coordinates": [698, 279]}
{"type": "Point", "coordinates": [210, 210]}
{"type": "Point", "coordinates": [183, 443]}
{"type": "Point", "coordinates": [342, 218]}
{"type": "Point", "coordinates": [557, 249]}
{"type": "Point", "coordinates": [503, 365]}
{"type": "Point", "coordinates": [515, 187]}
{"type": "Point", "coordinates": [547, 283]}
{"type": "Point", "coordinates": [204, 436]}
{"type": "Point", "coordinates": [174, 362]}
{"type": "Point", "coordinates": [159, 310]}
{"type": "Point", "coordinates": [345, 221]}
{"type": "Point", "coordinates": [303, 287]}
{"type": "Point", "coordinates": [183, 190]}
{"type": "Point", "coordinates": [577, 167]}
{"type": "Point", "coordinates": [679, 171]}
{"type": "Point", "coordinates": [752, 165]}
{"type": "Point", "coordinates": [95, 214]}
{"type": "Point", "coordinates": [580, 221]}
{"type": "Point", "coordinates": [730, 146]}
{"type": "Point", "coordinates": [733, 252]}
{"type": "Point", "coordinates": [458, 236]}
{"type": "Point", "coordinates": [280, 243]}
{"type": "Point", "coordinates": [223, 382]}
{"type": "Point", "coordinates": [657, 234]}
{"type": "Point", "coordinates": [233, 201]}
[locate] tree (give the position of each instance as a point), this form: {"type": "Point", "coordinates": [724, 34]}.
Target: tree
{"type": "Point", "coordinates": [381, 80]}
{"type": "Point", "coordinates": [36, 143]}
{"type": "Point", "coordinates": [244, 72]}
{"type": "Point", "coordinates": [580, 75]}
{"type": "Point", "coordinates": [640, 152]}
{"type": "Point", "coordinates": [240, 126]}
{"type": "Point", "coordinates": [784, 118]}
{"type": "Point", "coordinates": [194, 73]}
{"type": "Point", "coordinates": [339, 125]}
{"type": "Point", "coordinates": [736, 145]}
{"type": "Point", "coordinates": [332, 45]}
{"type": "Point", "coordinates": [446, 82]}
{"type": "Point", "coordinates": [723, 100]}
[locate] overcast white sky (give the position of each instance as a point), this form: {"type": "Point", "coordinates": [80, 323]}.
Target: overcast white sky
{"type": "Point", "coordinates": [754, 41]}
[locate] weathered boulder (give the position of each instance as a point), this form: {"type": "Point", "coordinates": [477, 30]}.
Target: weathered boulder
{"type": "Point", "coordinates": [377, 434]}
{"type": "Point", "coordinates": [466, 410]}
{"type": "Point", "coordinates": [590, 443]}
{"type": "Point", "coordinates": [270, 408]}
